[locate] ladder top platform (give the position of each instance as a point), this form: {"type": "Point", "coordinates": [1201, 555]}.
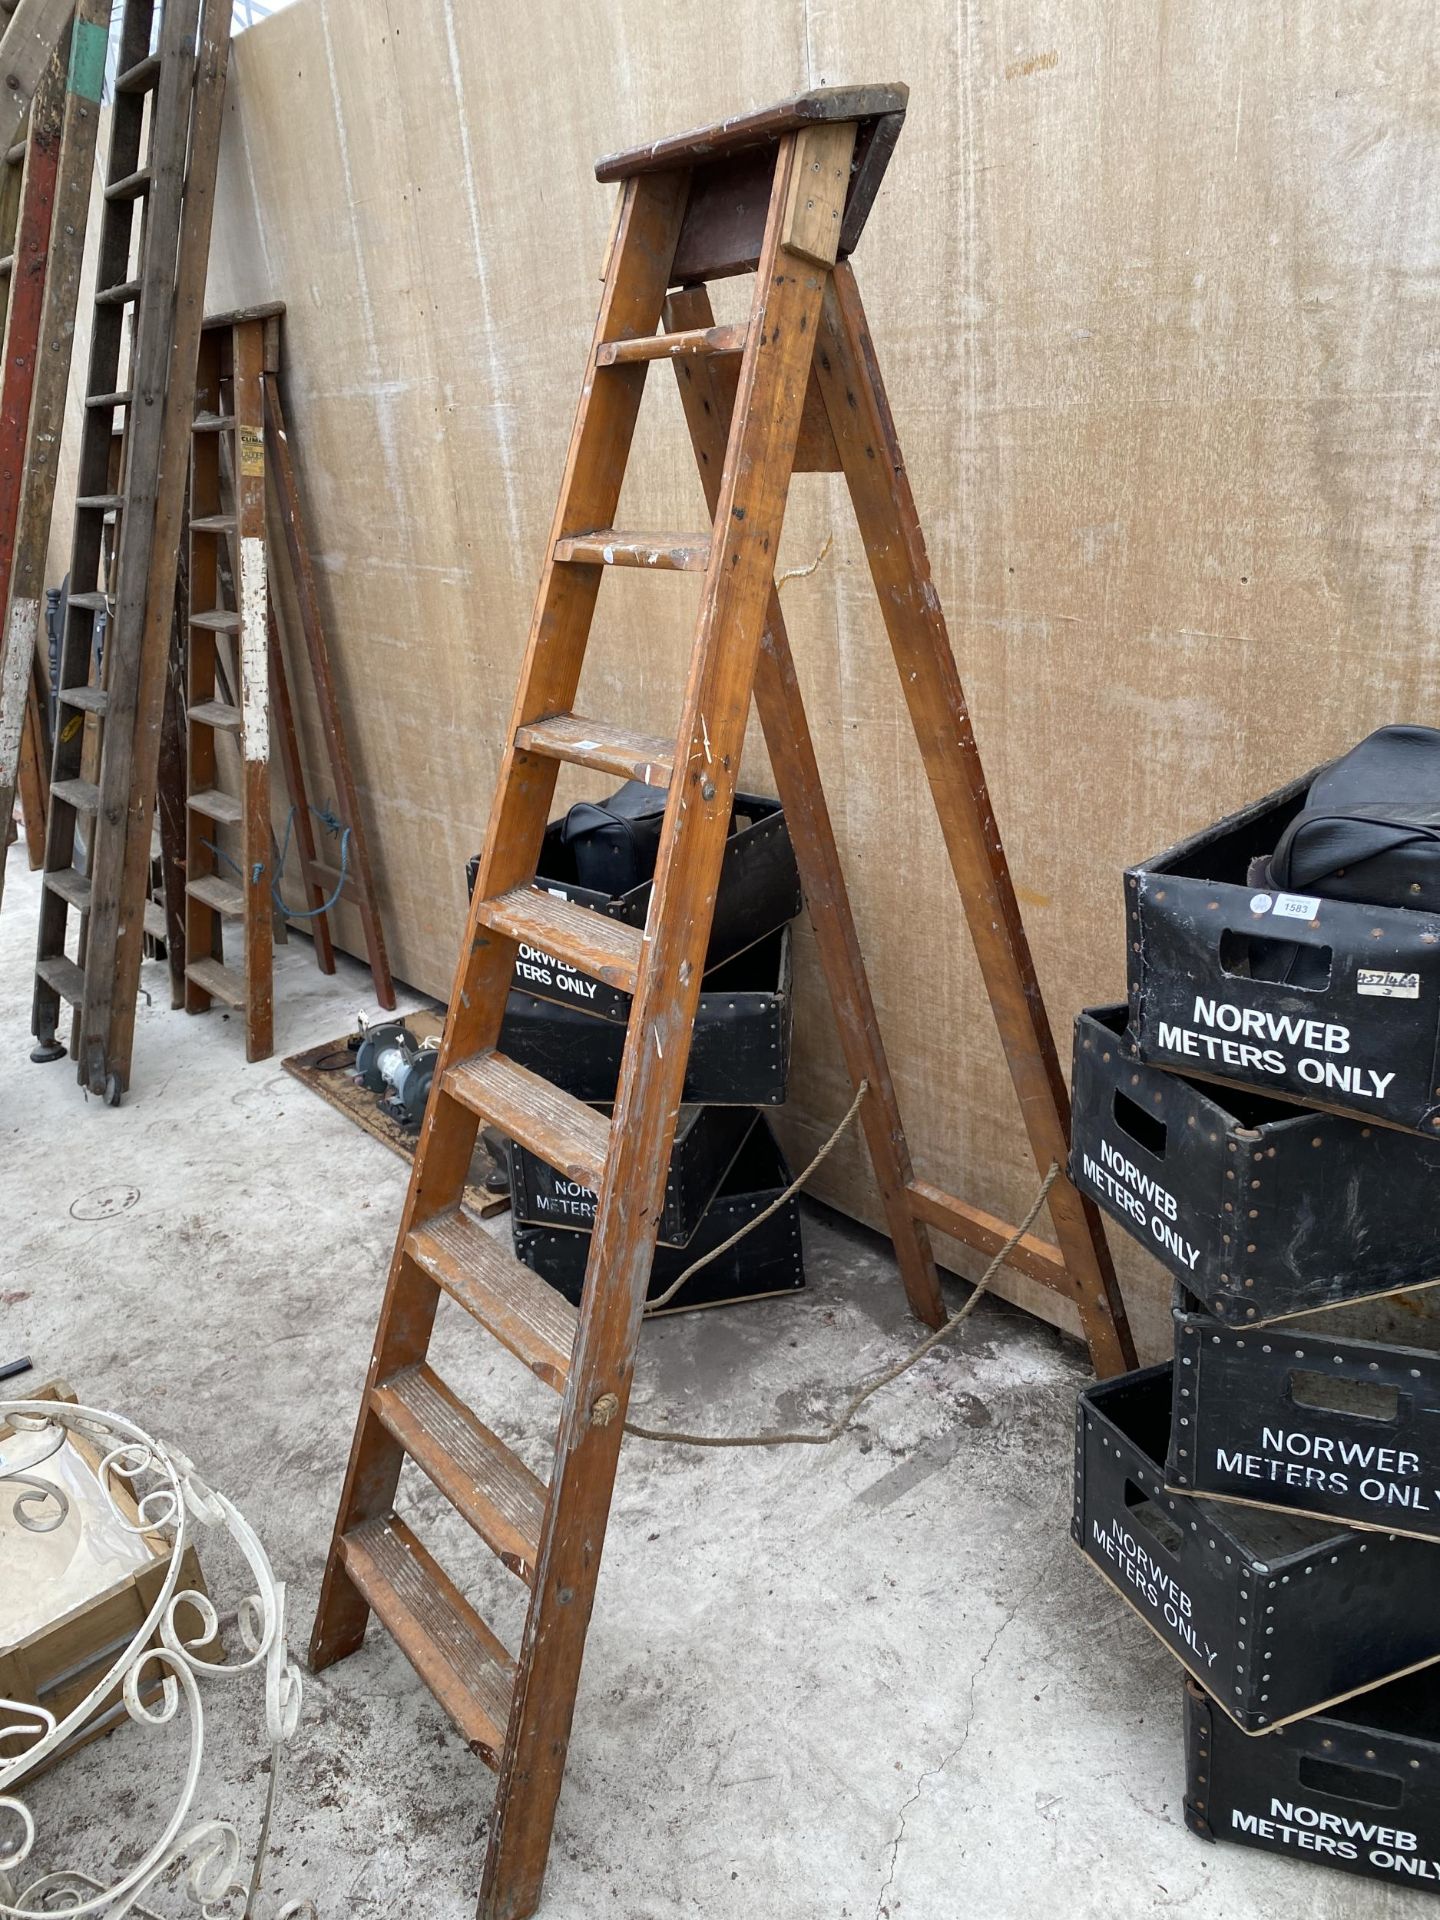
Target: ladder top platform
{"type": "Point", "coordinates": [759, 128]}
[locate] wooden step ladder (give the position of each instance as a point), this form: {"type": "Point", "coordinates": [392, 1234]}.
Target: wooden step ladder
{"type": "Point", "coordinates": [238, 685]}
{"type": "Point", "coordinates": [783, 193]}
{"type": "Point", "coordinates": [164, 144]}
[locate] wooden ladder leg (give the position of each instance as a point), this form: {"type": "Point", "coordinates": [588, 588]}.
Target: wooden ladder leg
{"type": "Point", "coordinates": [812, 168]}
{"type": "Point", "coordinates": [283, 710]}
{"type": "Point", "coordinates": [347, 799]}
{"type": "Point", "coordinates": [560, 625]}
{"type": "Point", "coordinates": [33, 784]}
{"type": "Point", "coordinates": [869, 449]}
{"type": "Point", "coordinates": [252, 650]}
{"type": "Point", "coordinates": [170, 788]}
{"type": "Point", "coordinates": [827, 899]}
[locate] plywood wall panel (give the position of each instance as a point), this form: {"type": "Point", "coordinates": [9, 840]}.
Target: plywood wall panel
{"type": "Point", "coordinates": [1155, 293]}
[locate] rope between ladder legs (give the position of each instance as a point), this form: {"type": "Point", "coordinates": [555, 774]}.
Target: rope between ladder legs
{"type": "Point", "coordinates": [827, 1435]}
{"type": "Point", "coordinates": [332, 825]}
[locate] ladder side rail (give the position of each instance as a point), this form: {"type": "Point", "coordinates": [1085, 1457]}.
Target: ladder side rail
{"type": "Point", "coordinates": [604, 423]}
{"type": "Point", "coordinates": [885, 510]}
{"type": "Point", "coordinates": [347, 799]}
{"type": "Point", "coordinates": [171, 783]}
{"type": "Point", "coordinates": [807, 815]}
{"type": "Point", "coordinates": [252, 663]}
{"type": "Point", "coordinates": [88, 531]}
{"type": "Point", "coordinates": [749, 514]}
{"type": "Point", "coordinates": [23, 600]}
{"type": "Point", "coordinates": [31, 35]}
{"type": "Point", "coordinates": [140, 485]}
{"type": "Point", "coordinates": [282, 708]}
{"type": "Point", "coordinates": [114, 1008]}
{"type": "Point", "coordinates": [202, 863]}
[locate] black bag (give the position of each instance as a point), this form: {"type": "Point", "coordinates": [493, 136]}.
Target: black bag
{"type": "Point", "coordinates": [615, 843]}
{"type": "Point", "coordinates": [1370, 827]}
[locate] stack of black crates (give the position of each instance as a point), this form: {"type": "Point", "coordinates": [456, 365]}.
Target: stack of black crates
{"type": "Point", "coordinates": [727, 1166]}
{"type": "Point", "coordinates": [1269, 1502]}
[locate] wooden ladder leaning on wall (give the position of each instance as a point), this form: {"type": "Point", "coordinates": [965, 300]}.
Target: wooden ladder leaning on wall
{"type": "Point", "coordinates": [783, 193]}
{"type": "Point", "coordinates": [238, 686]}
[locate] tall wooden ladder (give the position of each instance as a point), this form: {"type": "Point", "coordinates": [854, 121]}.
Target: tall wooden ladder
{"type": "Point", "coordinates": [783, 193]}
{"type": "Point", "coordinates": [163, 150]}
{"type": "Point", "coordinates": [42, 228]}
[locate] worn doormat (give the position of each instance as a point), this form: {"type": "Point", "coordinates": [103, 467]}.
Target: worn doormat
{"type": "Point", "coordinates": [329, 1070]}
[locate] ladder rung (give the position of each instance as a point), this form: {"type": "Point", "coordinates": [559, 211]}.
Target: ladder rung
{"type": "Point", "coordinates": [101, 502]}
{"type": "Point", "coordinates": [62, 976]}
{"type": "Point", "coordinates": [216, 805]}
{"type": "Point", "coordinates": [92, 602]}
{"type": "Point", "coordinates": [477, 1473]}
{"type": "Point", "coordinates": [215, 713]}
{"type": "Point", "coordinates": [141, 77]}
{"type": "Point", "coordinates": [211, 890]}
{"type": "Point", "coordinates": [213, 523]}
{"type": "Point", "coordinates": [154, 918]}
{"type": "Point", "coordinates": [662, 552]}
{"type": "Point", "coordinates": [218, 980]}
{"type": "Point", "coordinates": [561, 1130]}
{"type": "Point", "coordinates": [217, 620]}
{"type": "Point", "coordinates": [592, 743]}
{"type": "Point", "coordinates": [594, 942]}
{"type": "Point", "coordinates": [82, 795]}
{"type": "Point", "coordinates": [536, 1323]}
{"type": "Point", "coordinates": [71, 886]}
{"type": "Point", "coordinates": [213, 422]}
{"type": "Point", "coordinates": [439, 1632]}
{"type": "Point", "coordinates": [120, 398]}
{"type": "Point", "coordinates": [117, 296]}
{"type": "Point", "coordinates": [86, 699]}
{"type": "Point", "coordinates": [665, 346]}
{"type": "Point", "coordinates": [130, 187]}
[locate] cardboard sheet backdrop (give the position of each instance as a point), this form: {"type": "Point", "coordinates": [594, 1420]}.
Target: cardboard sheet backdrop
{"type": "Point", "coordinates": [1155, 291]}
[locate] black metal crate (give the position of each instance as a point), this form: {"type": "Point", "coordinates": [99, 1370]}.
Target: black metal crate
{"type": "Point", "coordinates": [1261, 1210]}
{"type": "Point", "coordinates": [759, 892]}
{"type": "Point", "coordinates": [1276, 1615]}
{"type": "Point", "coordinates": [1353, 1026]}
{"type": "Point", "coordinates": [768, 1260]}
{"type": "Point", "coordinates": [739, 1051]}
{"type": "Point", "coordinates": [1334, 1413]}
{"type": "Point", "coordinates": [707, 1140]}
{"type": "Point", "coordinates": [1357, 1787]}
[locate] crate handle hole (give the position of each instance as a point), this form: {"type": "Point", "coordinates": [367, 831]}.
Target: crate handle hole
{"type": "Point", "coordinates": [1371, 1789]}
{"type": "Point", "coordinates": [1255, 956]}
{"type": "Point", "coordinates": [1152, 1519]}
{"type": "Point", "coordinates": [1332, 1393]}
{"type": "Point", "coordinates": [1136, 1124]}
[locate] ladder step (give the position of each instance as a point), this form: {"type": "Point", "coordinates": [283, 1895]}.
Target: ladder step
{"type": "Point", "coordinates": [593, 743]}
{"type": "Point", "coordinates": [594, 942]}
{"type": "Point", "coordinates": [101, 502]}
{"type": "Point", "coordinates": [110, 400]}
{"type": "Point", "coordinates": [131, 187]}
{"type": "Point", "coordinates": [218, 980]}
{"type": "Point", "coordinates": [141, 77]}
{"type": "Point", "coordinates": [211, 890]}
{"type": "Point", "coordinates": [62, 976]}
{"type": "Point", "coordinates": [536, 1323]}
{"type": "Point", "coordinates": [118, 296]}
{"type": "Point", "coordinates": [86, 699]}
{"type": "Point", "coordinates": [213, 422]}
{"type": "Point", "coordinates": [93, 602]}
{"type": "Point", "coordinates": [215, 713]}
{"type": "Point", "coordinates": [217, 620]}
{"type": "Point", "coordinates": [562, 1130]}
{"type": "Point", "coordinates": [154, 917]}
{"type": "Point", "coordinates": [213, 523]}
{"type": "Point", "coordinates": [82, 795]}
{"type": "Point", "coordinates": [663, 552]}
{"type": "Point", "coordinates": [71, 886]}
{"type": "Point", "coordinates": [439, 1632]}
{"type": "Point", "coordinates": [216, 805]}
{"type": "Point", "coordinates": [477, 1473]}
{"type": "Point", "coordinates": [665, 346]}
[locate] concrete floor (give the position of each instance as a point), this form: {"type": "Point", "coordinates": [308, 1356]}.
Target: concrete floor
{"type": "Point", "coordinates": [869, 1681]}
